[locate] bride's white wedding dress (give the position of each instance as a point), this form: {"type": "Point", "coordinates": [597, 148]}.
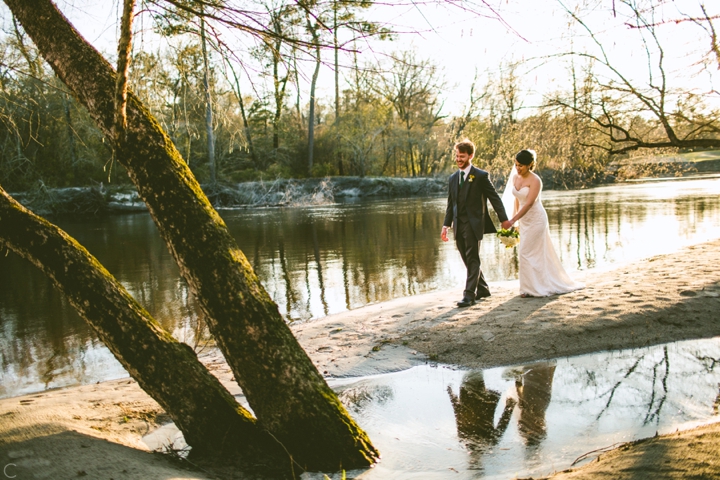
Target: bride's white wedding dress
{"type": "Point", "coordinates": [541, 273]}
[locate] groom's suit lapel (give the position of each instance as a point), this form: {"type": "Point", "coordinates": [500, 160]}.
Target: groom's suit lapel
{"type": "Point", "coordinates": [456, 185]}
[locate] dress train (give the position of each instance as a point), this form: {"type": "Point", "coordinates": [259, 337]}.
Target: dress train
{"type": "Point", "coordinates": [541, 273]}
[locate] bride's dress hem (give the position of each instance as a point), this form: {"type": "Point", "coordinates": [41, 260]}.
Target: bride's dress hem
{"type": "Point", "coordinates": [540, 271]}
{"type": "Point", "coordinates": [578, 286]}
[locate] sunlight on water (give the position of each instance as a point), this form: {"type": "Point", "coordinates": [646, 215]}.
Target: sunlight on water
{"type": "Point", "coordinates": [430, 422]}
{"type": "Point", "coordinates": [317, 261]}
{"type": "Point", "coordinates": [607, 226]}
{"type": "Point", "coordinates": [437, 422]}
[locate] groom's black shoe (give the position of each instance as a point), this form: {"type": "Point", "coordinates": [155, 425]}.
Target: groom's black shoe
{"type": "Point", "coordinates": [481, 295]}
{"type": "Point", "coordinates": [466, 302]}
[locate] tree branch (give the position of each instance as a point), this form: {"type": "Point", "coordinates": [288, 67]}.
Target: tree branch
{"type": "Point", "coordinates": [123, 65]}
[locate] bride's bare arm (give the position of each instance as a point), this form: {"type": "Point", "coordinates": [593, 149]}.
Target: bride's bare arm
{"type": "Point", "coordinates": [532, 195]}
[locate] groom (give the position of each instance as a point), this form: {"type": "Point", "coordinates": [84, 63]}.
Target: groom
{"type": "Point", "coordinates": [467, 212]}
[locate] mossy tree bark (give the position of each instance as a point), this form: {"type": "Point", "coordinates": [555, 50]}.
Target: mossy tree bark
{"type": "Point", "coordinates": [166, 369]}
{"type": "Point", "coordinates": [288, 395]}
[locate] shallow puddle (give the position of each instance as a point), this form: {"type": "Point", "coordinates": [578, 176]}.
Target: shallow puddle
{"type": "Point", "coordinates": [439, 422]}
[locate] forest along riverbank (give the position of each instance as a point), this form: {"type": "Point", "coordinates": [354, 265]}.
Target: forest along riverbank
{"type": "Point", "coordinates": [112, 199]}
{"type": "Point", "coordinates": [97, 429]}
{"type": "Point", "coordinates": [280, 192]}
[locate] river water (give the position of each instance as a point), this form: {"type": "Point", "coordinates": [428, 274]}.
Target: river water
{"type": "Point", "coordinates": [530, 420]}
{"type": "Point", "coordinates": [434, 422]}
{"type": "Point", "coordinates": [321, 260]}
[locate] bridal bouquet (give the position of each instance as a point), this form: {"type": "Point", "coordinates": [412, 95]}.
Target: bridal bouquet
{"type": "Point", "coordinates": [509, 238]}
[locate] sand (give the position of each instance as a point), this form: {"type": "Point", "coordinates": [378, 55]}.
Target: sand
{"type": "Point", "coordinates": [96, 430]}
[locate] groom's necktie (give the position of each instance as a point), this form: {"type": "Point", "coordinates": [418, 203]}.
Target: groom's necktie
{"type": "Point", "coordinates": [462, 178]}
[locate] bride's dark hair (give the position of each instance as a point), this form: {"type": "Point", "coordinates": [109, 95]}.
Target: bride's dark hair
{"type": "Point", "coordinates": [526, 157]}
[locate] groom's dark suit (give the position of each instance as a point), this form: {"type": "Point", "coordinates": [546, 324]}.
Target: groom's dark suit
{"type": "Point", "coordinates": [467, 212]}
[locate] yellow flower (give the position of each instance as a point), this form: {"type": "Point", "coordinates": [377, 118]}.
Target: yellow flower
{"type": "Point", "coordinates": [471, 178]}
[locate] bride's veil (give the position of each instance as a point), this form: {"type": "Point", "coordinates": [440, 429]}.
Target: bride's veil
{"type": "Point", "coordinates": [508, 199]}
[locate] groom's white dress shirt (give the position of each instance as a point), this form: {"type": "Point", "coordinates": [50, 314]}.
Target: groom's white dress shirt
{"type": "Point", "coordinates": [467, 172]}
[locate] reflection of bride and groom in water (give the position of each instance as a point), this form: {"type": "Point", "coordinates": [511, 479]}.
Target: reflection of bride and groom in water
{"type": "Point", "coordinates": [475, 407]}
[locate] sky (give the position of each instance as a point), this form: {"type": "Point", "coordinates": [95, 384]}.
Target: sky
{"type": "Point", "coordinates": [535, 32]}
{"type": "Point", "coordinates": [467, 37]}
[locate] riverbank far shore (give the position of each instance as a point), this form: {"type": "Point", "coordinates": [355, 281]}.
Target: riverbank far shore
{"type": "Point", "coordinates": [96, 430]}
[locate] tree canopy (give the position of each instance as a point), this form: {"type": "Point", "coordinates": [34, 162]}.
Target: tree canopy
{"type": "Point", "coordinates": [261, 62]}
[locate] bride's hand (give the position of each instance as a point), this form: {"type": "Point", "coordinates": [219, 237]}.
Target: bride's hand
{"type": "Point", "coordinates": [507, 224]}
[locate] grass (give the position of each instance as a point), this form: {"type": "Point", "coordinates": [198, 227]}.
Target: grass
{"type": "Point", "coordinates": [694, 157]}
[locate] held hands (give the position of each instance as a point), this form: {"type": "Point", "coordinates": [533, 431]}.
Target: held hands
{"type": "Point", "coordinates": [444, 234]}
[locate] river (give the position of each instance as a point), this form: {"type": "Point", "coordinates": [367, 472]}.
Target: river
{"type": "Point", "coordinates": [316, 261]}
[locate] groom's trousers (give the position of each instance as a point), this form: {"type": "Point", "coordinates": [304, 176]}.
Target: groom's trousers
{"type": "Point", "coordinates": [469, 247]}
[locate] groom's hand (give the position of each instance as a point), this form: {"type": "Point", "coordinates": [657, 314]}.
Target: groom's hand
{"type": "Point", "coordinates": [506, 224]}
{"type": "Point", "coordinates": [443, 234]}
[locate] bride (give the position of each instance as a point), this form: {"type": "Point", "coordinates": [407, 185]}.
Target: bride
{"type": "Point", "coordinates": [541, 273]}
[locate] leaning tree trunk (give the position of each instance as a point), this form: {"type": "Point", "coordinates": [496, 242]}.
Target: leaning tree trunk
{"type": "Point", "coordinates": [288, 395]}
{"type": "Point", "coordinates": [166, 369]}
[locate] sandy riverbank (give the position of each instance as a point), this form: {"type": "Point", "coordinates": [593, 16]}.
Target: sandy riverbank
{"type": "Point", "coordinates": [96, 430]}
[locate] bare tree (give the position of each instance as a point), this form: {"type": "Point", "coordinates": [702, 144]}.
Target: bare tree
{"type": "Point", "coordinates": [703, 20]}
{"type": "Point", "coordinates": [235, 82]}
{"type": "Point", "coordinates": [411, 86]}
{"type": "Point", "coordinates": [313, 25]}
{"type": "Point", "coordinates": [283, 21]}
{"type": "Point", "coordinates": [286, 392]}
{"type": "Point", "coordinates": [633, 114]}
{"type": "Point", "coordinates": [493, 111]}
{"type": "Point", "coordinates": [179, 21]}
{"type": "Point", "coordinates": [209, 128]}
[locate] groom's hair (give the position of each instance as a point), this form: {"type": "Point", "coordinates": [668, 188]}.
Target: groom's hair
{"type": "Point", "coordinates": [465, 146]}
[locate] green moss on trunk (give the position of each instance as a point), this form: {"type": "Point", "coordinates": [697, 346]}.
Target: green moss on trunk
{"type": "Point", "coordinates": [288, 395]}
{"type": "Point", "coordinates": [166, 369]}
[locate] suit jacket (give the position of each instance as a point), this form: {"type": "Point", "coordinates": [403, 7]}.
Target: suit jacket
{"type": "Point", "coordinates": [475, 192]}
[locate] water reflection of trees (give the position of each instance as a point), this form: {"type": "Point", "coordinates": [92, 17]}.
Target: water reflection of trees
{"type": "Point", "coordinates": [313, 262]}
{"type": "Point", "coordinates": [362, 256]}
{"type": "Point", "coordinates": [709, 363]}
{"type": "Point", "coordinates": [655, 404]}
{"type": "Point", "coordinates": [658, 388]}
{"type": "Point", "coordinates": [591, 227]}
{"type": "Point", "coordinates": [358, 398]}
{"type": "Point", "coordinates": [41, 337]}
{"type": "Point", "coordinates": [132, 250]}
